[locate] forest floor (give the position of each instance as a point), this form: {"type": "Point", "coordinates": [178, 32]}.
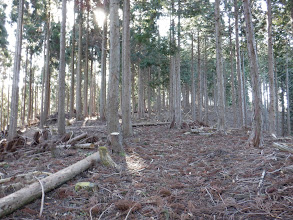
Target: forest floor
{"type": "Point", "coordinates": [167, 174]}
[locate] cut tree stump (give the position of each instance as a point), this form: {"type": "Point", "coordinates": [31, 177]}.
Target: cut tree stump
{"type": "Point", "coordinates": [116, 143]}
{"type": "Point", "coordinates": [26, 195]}
{"type": "Point", "coordinates": [283, 147]}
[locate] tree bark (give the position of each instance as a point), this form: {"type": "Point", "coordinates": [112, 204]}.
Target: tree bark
{"type": "Point", "coordinates": [232, 76]}
{"type": "Point", "coordinates": [133, 88]}
{"type": "Point", "coordinates": [126, 72]}
{"type": "Point", "coordinates": [288, 97]}
{"type": "Point", "coordinates": [255, 138]}
{"type": "Point", "coordinates": [103, 70]}
{"type": "Point", "coordinates": [220, 77]}
{"type": "Point", "coordinates": [272, 107]}
{"type": "Point", "coordinates": [193, 110]}
{"type": "Point", "coordinates": [206, 98]}
{"type": "Point", "coordinates": [113, 89]}
{"type": "Point", "coordinates": [61, 93]}
{"type": "Point", "coordinates": [199, 79]}
{"type": "Point", "coordinates": [78, 75]}
{"type": "Point", "coordinates": [45, 112]}
{"type": "Point", "coordinates": [24, 92]}
{"type": "Point", "coordinates": [149, 95]}
{"type": "Point", "coordinates": [86, 71]}
{"type": "Point", "coordinates": [140, 93]}
{"type": "Point", "coordinates": [238, 67]}
{"type": "Point", "coordinates": [16, 69]}
{"type": "Point", "coordinates": [2, 105]}
{"type": "Point", "coordinates": [29, 115]}
{"type": "Point", "coordinates": [177, 77]}
{"type": "Point", "coordinates": [72, 65]}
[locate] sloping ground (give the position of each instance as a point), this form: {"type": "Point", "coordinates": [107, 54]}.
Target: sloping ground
{"type": "Point", "coordinates": [169, 174]}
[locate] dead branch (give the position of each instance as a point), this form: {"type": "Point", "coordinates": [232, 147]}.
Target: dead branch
{"type": "Point", "coordinates": [283, 147]}
{"type": "Point", "coordinates": [77, 138]}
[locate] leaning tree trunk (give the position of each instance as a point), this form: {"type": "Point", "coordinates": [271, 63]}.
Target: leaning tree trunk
{"type": "Point", "coordinates": [113, 88]}
{"type": "Point", "coordinates": [272, 107]}
{"type": "Point", "coordinates": [61, 93]}
{"type": "Point", "coordinates": [16, 69]}
{"type": "Point", "coordinates": [220, 77]}
{"type": "Point", "coordinates": [126, 72]}
{"type": "Point", "coordinates": [255, 138]}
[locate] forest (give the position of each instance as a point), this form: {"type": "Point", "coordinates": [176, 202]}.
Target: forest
{"type": "Point", "coordinates": [146, 109]}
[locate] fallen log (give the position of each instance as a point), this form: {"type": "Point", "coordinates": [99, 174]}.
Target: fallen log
{"type": "Point", "coordinates": [283, 147]}
{"type": "Point", "coordinates": [77, 138]}
{"type": "Point", "coordinates": [81, 146]}
{"type": "Point", "coordinates": [149, 124]}
{"type": "Point", "coordinates": [26, 195]}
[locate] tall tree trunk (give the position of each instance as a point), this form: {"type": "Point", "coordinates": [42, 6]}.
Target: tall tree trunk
{"type": "Point", "coordinates": [36, 101]}
{"type": "Point", "coordinates": [272, 107]}
{"type": "Point", "coordinates": [16, 69]}
{"type": "Point", "coordinates": [199, 79]}
{"type": "Point", "coordinates": [255, 138]}
{"type": "Point", "coordinates": [2, 106]}
{"type": "Point", "coordinates": [134, 109]}
{"type": "Point", "coordinates": [29, 115]}
{"type": "Point", "coordinates": [238, 67]}
{"type": "Point", "coordinates": [8, 102]}
{"type": "Point", "coordinates": [103, 70]}
{"type": "Point", "coordinates": [140, 93]}
{"type": "Point", "coordinates": [244, 91]}
{"type": "Point", "coordinates": [206, 98]}
{"type": "Point", "coordinates": [159, 97]}
{"type": "Point", "coordinates": [232, 75]}
{"type": "Point", "coordinates": [126, 72]}
{"type": "Point", "coordinates": [61, 93]}
{"type": "Point", "coordinates": [86, 71]}
{"type": "Point", "coordinates": [72, 65]}
{"type": "Point", "coordinates": [92, 85]}
{"type": "Point", "coordinates": [24, 81]}
{"type": "Point", "coordinates": [45, 112]}
{"type": "Point", "coordinates": [283, 109]}
{"type": "Point", "coordinates": [193, 111]}
{"type": "Point", "coordinates": [149, 92]}
{"type": "Point", "coordinates": [78, 76]}
{"type": "Point", "coordinates": [220, 77]}
{"type": "Point", "coordinates": [113, 89]}
{"type": "Point", "coordinates": [288, 97]}
{"type": "Point", "coordinates": [177, 78]}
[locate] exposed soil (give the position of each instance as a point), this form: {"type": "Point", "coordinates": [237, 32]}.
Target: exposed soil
{"type": "Point", "coordinates": [168, 174]}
